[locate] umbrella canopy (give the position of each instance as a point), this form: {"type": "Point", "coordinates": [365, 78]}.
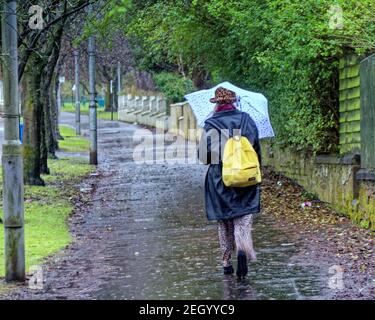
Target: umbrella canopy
{"type": "Point", "coordinates": [255, 104]}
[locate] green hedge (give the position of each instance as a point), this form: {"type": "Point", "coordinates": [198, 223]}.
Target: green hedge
{"type": "Point", "coordinates": [287, 49]}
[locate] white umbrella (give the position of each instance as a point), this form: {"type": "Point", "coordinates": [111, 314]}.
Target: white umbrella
{"type": "Point", "coordinates": [255, 104]}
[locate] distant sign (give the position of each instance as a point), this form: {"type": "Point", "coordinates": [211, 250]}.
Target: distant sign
{"type": "Point", "coordinates": [62, 79]}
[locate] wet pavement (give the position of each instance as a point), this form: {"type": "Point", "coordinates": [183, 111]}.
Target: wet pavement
{"type": "Point", "coordinates": [144, 235]}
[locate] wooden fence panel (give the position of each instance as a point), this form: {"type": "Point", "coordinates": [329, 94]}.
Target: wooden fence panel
{"type": "Point", "coordinates": [367, 72]}
{"type": "Point", "coordinates": [350, 137]}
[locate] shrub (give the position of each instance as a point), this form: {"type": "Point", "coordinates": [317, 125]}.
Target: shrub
{"type": "Point", "coordinates": [173, 86]}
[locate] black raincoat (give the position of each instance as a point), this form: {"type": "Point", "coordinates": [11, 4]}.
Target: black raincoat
{"type": "Point", "coordinates": [226, 202]}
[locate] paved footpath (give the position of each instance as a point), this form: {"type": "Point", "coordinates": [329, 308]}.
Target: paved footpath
{"type": "Point", "coordinates": [144, 235]}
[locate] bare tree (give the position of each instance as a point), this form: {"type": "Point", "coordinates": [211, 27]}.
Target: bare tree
{"type": "Point", "coordinates": [39, 56]}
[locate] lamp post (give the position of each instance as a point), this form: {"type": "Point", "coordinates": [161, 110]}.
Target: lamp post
{"type": "Point", "coordinates": [12, 161]}
{"type": "Point", "coordinates": [118, 86]}
{"type": "Point", "coordinates": [76, 93]}
{"type": "Point", "coordinates": [112, 98]}
{"type": "Point", "coordinates": [92, 105]}
{"type": "Point", "coordinates": [59, 99]}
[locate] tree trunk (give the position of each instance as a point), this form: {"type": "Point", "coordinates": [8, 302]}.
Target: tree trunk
{"type": "Point", "coordinates": [54, 91]}
{"type": "Point", "coordinates": [45, 127]}
{"type": "Point", "coordinates": [54, 117]}
{"type": "Point", "coordinates": [200, 77]}
{"type": "Point", "coordinates": [43, 138]}
{"type": "Point", "coordinates": [48, 143]}
{"type": "Point", "coordinates": [32, 114]}
{"type": "Point", "coordinates": [38, 121]}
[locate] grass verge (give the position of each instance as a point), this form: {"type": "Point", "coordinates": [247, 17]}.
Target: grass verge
{"type": "Point", "coordinates": [72, 142]}
{"type": "Point", "coordinates": [47, 208]}
{"type": "Point", "coordinates": [103, 115]}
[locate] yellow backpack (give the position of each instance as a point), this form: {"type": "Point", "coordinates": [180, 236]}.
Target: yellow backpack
{"type": "Point", "coordinates": [241, 166]}
{"type": "Point", "coordinates": [240, 163]}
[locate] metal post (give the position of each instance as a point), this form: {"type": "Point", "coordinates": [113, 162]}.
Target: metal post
{"type": "Point", "coordinates": [77, 93]}
{"type": "Point", "coordinates": [92, 105]}
{"type": "Point", "coordinates": [118, 87]}
{"type": "Point", "coordinates": [12, 161]}
{"type": "Point", "coordinates": [118, 78]}
{"type": "Point", "coordinates": [112, 95]}
{"type": "Point", "coordinates": [59, 102]}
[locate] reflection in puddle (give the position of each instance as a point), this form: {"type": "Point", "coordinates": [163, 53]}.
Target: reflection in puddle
{"type": "Point", "coordinates": [234, 289]}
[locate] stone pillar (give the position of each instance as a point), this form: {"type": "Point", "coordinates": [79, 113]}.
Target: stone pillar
{"type": "Point", "coordinates": [145, 103]}
{"type": "Point", "coordinates": [162, 106]}
{"type": "Point", "coordinates": [129, 101]}
{"type": "Point", "coordinates": [157, 104]}
{"type": "Point", "coordinates": [153, 104]}
{"type": "Point", "coordinates": [138, 103]}
{"type": "Point", "coordinates": [122, 102]}
{"type": "Point", "coordinates": [121, 107]}
{"type": "Point", "coordinates": [130, 117]}
{"type": "Point", "coordinates": [174, 119]}
{"type": "Point", "coordinates": [140, 116]}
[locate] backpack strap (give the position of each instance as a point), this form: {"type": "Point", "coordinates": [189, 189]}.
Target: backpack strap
{"type": "Point", "coordinates": [241, 124]}
{"type": "Point", "coordinates": [219, 129]}
{"type": "Point", "coordinates": [213, 125]}
{"type": "Point", "coordinates": [242, 121]}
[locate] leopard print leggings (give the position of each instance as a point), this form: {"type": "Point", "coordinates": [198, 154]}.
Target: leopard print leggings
{"type": "Point", "coordinates": [237, 232]}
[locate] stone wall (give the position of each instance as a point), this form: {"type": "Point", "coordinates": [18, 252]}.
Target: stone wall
{"type": "Point", "coordinates": [331, 178]}
{"type": "Point", "coordinates": [365, 211]}
{"type": "Point", "coordinates": [146, 110]}
{"type": "Point", "coordinates": [182, 121]}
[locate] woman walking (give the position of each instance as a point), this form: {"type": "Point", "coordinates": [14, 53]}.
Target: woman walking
{"type": "Point", "coordinates": [232, 207]}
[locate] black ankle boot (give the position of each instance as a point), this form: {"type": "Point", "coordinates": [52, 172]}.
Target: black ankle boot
{"type": "Point", "coordinates": [241, 264]}
{"type": "Point", "coordinates": [228, 270]}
